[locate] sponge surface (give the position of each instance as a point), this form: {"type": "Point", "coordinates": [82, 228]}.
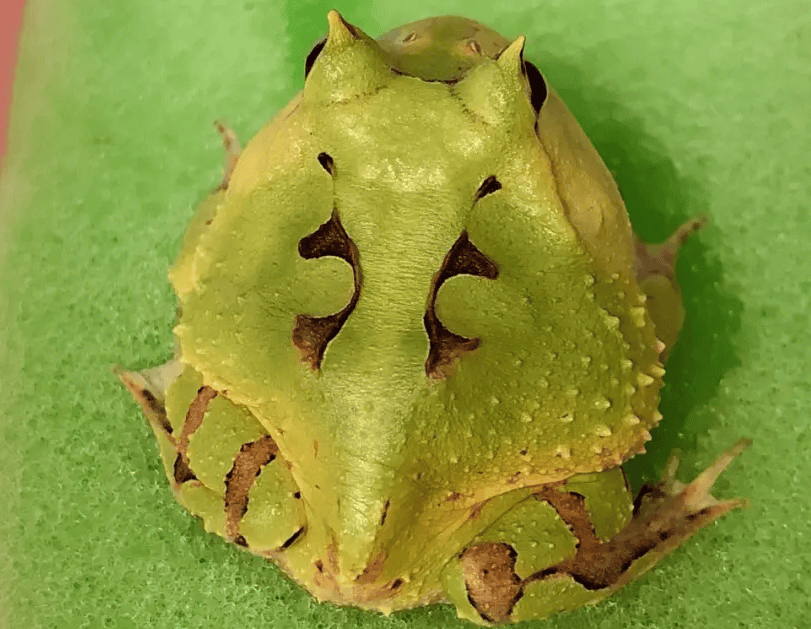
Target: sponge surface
{"type": "Point", "coordinates": [698, 108]}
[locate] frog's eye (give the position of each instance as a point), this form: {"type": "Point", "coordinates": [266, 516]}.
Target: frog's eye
{"type": "Point", "coordinates": [463, 258]}
{"type": "Point", "coordinates": [312, 56]}
{"type": "Point", "coordinates": [537, 85]}
{"type": "Point", "coordinates": [311, 335]}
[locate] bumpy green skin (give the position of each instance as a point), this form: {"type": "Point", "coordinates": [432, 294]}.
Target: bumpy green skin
{"type": "Point", "coordinates": [386, 470]}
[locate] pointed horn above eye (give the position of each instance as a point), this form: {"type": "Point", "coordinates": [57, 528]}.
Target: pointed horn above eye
{"type": "Point", "coordinates": [340, 31]}
{"type": "Point", "coordinates": [511, 59]}
{"type": "Point", "coordinates": [497, 91]}
{"type": "Point", "coordinates": [350, 64]}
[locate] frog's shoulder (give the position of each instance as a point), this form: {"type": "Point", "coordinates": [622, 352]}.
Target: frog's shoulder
{"type": "Point", "coordinates": [440, 48]}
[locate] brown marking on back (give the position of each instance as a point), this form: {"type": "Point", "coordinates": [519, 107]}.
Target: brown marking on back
{"type": "Point", "coordinates": [248, 464]}
{"type": "Point", "coordinates": [332, 555]}
{"type": "Point", "coordinates": [476, 511]}
{"type": "Point", "coordinates": [453, 496]}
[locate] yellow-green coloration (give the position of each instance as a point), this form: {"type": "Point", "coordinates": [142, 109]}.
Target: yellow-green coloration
{"type": "Point", "coordinates": [413, 342]}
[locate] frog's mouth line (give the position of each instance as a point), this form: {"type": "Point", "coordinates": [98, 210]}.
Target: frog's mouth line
{"type": "Point", "coordinates": [311, 335]}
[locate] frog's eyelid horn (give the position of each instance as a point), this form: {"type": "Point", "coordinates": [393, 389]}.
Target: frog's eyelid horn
{"type": "Point", "coordinates": [512, 60]}
{"type": "Point", "coordinates": [345, 65]}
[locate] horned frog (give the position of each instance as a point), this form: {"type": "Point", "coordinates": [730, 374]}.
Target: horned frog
{"type": "Point", "coordinates": [418, 338]}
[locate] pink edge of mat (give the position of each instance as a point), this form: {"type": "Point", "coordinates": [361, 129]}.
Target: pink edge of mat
{"type": "Point", "coordinates": [11, 20]}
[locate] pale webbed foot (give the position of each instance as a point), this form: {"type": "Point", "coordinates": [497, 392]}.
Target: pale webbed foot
{"type": "Point", "coordinates": [655, 268]}
{"type": "Point", "coordinates": [583, 546]}
{"type": "Point", "coordinates": [660, 258]}
{"type": "Point", "coordinates": [673, 511]}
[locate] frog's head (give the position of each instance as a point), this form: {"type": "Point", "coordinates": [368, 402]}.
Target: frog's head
{"type": "Point", "coordinates": [407, 284]}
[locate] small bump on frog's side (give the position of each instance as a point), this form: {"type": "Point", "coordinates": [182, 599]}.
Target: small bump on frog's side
{"type": "Point", "coordinates": [412, 356]}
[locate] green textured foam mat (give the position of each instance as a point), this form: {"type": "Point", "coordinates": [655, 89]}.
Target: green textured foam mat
{"type": "Point", "coordinates": [698, 108]}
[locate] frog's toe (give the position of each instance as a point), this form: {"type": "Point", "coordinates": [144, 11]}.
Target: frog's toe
{"type": "Point", "coordinates": [148, 387]}
{"type": "Point", "coordinates": [233, 150]}
{"type": "Point", "coordinates": [660, 258]}
{"type": "Point", "coordinates": [666, 514]}
{"type": "Point", "coordinates": [674, 511]}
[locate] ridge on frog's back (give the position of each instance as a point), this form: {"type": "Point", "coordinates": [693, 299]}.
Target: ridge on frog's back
{"type": "Point", "coordinates": [415, 340]}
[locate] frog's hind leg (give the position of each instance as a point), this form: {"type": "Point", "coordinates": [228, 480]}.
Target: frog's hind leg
{"type": "Point", "coordinates": [669, 512]}
{"type": "Point", "coordinates": [665, 515]}
{"type": "Point", "coordinates": [583, 547]}
{"type": "Point", "coordinates": [656, 274]}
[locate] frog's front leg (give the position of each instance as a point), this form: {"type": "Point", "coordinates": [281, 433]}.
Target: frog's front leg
{"type": "Point", "coordinates": [221, 462]}
{"type": "Point", "coordinates": [655, 268]}
{"type": "Point", "coordinates": [574, 543]}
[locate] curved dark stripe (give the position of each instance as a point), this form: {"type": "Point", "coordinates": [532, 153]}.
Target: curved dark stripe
{"type": "Point", "coordinates": [292, 538]}
{"type": "Point", "coordinates": [597, 565]}
{"type": "Point", "coordinates": [155, 410]}
{"type": "Point", "coordinates": [445, 346]}
{"type": "Point", "coordinates": [571, 507]}
{"type": "Point", "coordinates": [311, 335]}
{"type": "Point", "coordinates": [194, 417]}
{"type": "Point", "coordinates": [248, 464]}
